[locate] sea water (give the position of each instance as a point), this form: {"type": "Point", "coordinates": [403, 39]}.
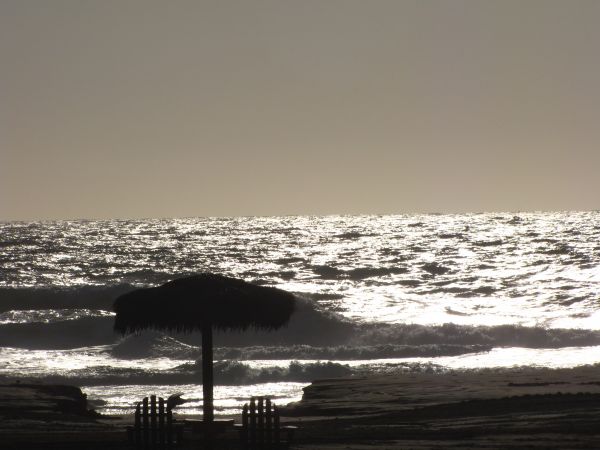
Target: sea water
{"type": "Point", "coordinates": [392, 294]}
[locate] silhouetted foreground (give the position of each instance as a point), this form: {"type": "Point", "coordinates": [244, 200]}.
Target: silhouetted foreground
{"type": "Point", "coordinates": [531, 408]}
{"type": "Point", "coordinates": [204, 302]}
{"type": "Point", "coordinates": [527, 408]}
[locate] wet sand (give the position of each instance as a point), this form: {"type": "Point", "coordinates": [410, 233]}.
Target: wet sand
{"type": "Point", "coordinates": [529, 408]}
{"type": "Point", "coordinates": [522, 409]}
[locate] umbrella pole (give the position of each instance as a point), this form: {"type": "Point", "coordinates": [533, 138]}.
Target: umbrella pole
{"type": "Point", "coordinates": [207, 374]}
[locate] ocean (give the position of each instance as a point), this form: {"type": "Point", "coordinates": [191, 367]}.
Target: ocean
{"type": "Point", "coordinates": [389, 293]}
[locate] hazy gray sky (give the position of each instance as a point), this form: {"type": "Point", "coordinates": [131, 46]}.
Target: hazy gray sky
{"type": "Point", "coordinates": [191, 108]}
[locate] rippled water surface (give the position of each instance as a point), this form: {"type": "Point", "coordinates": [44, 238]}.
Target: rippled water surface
{"type": "Point", "coordinates": [511, 289]}
{"type": "Point", "coordinates": [470, 269]}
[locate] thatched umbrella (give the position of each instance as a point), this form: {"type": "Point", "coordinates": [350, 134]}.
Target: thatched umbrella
{"type": "Point", "coordinates": [203, 302]}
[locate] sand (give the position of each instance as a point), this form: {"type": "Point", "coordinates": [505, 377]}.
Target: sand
{"type": "Point", "coordinates": [528, 408]}
{"type": "Point", "coordinates": [522, 409]}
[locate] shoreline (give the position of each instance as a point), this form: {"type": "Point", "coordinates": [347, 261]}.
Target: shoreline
{"type": "Point", "coordinates": [523, 408]}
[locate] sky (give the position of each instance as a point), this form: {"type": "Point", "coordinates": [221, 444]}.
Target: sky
{"type": "Point", "coordinates": [132, 109]}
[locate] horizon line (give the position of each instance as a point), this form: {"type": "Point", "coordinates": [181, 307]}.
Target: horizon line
{"type": "Point", "coordinates": [246, 216]}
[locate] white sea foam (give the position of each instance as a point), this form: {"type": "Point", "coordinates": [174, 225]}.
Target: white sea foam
{"type": "Point", "coordinates": [228, 400]}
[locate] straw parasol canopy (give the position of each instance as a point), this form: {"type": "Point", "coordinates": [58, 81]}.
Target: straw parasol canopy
{"type": "Point", "coordinates": [204, 302]}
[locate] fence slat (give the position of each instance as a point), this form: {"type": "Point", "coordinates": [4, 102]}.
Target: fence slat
{"type": "Point", "coordinates": [161, 422]}
{"type": "Point", "coordinates": [276, 426]}
{"type": "Point", "coordinates": [137, 430]}
{"type": "Point", "coordinates": [252, 424]}
{"type": "Point", "coordinates": [153, 420]}
{"type": "Point", "coordinates": [170, 429]}
{"type": "Point", "coordinates": [145, 422]}
{"type": "Point", "coordinates": [268, 424]}
{"type": "Point", "coordinates": [261, 422]}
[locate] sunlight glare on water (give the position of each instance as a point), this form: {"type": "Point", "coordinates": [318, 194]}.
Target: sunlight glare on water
{"type": "Point", "coordinates": [42, 362]}
{"type": "Point", "coordinates": [227, 399]}
{"type": "Point", "coordinates": [50, 315]}
{"type": "Point", "coordinates": [499, 280]}
{"type": "Point", "coordinates": [468, 269]}
{"type": "Point", "coordinates": [516, 357]}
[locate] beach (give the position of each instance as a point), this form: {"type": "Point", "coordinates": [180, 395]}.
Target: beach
{"type": "Point", "coordinates": [380, 216]}
{"type": "Point", "coordinates": [413, 331]}
{"type": "Point", "coordinates": [520, 408]}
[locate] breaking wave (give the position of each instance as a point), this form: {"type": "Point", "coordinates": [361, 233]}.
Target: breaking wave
{"type": "Point", "coordinates": [311, 333]}
{"type": "Point", "coordinates": [225, 373]}
{"type": "Point", "coordinates": [159, 346]}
